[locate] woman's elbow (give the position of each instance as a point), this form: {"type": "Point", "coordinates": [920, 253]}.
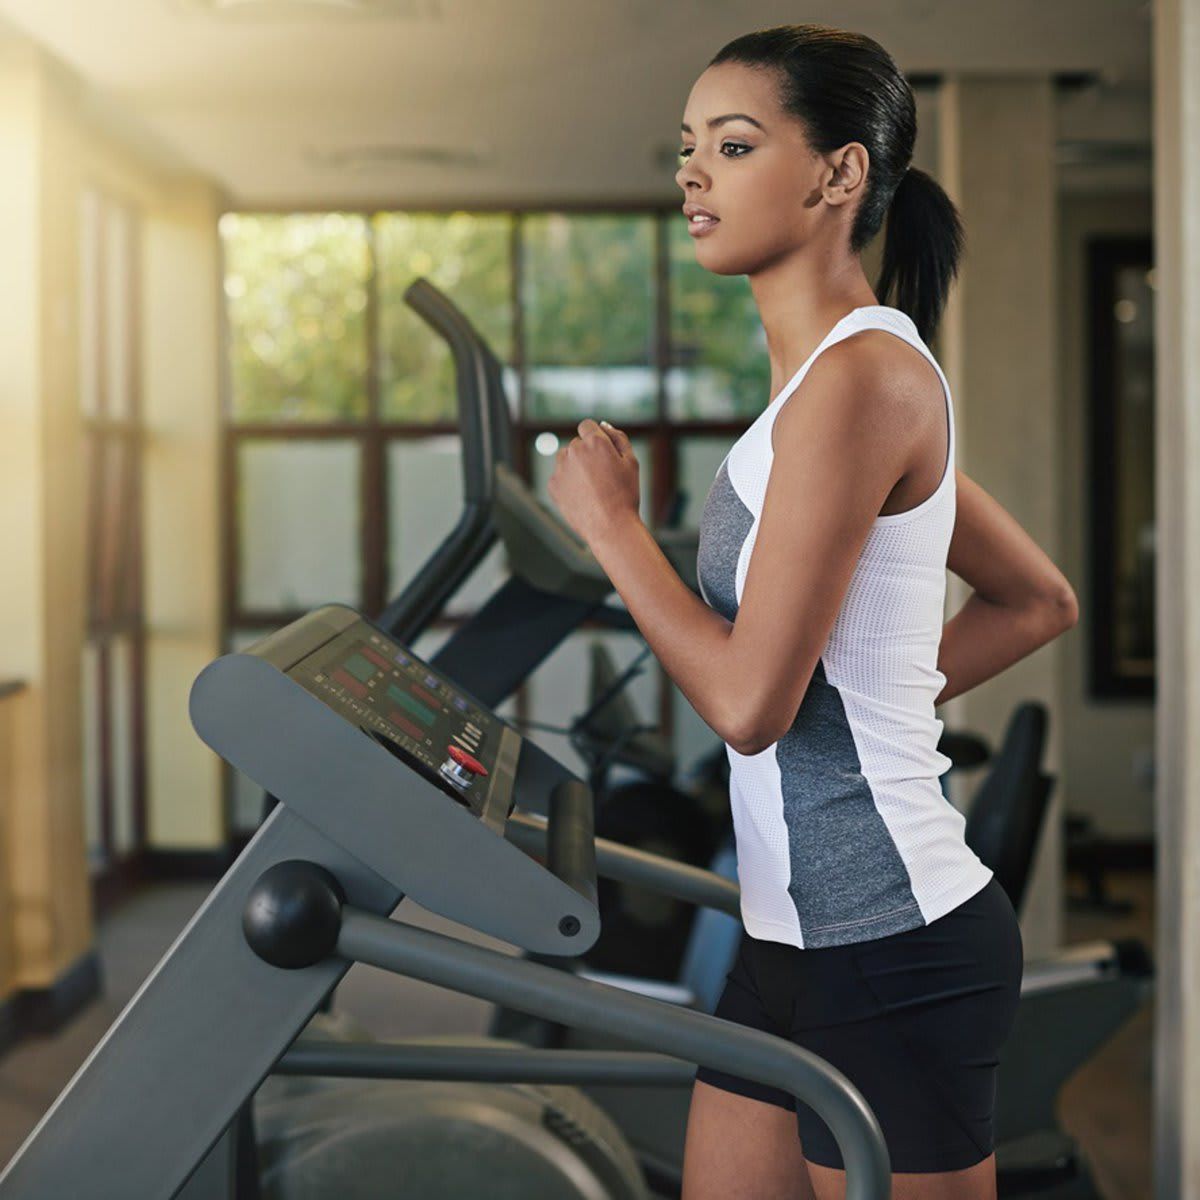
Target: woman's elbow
{"type": "Point", "coordinates": [1068, 608]}
{"type": "Point", "coordinates": [749, 733]}
{"type": "Point", "coordinates": [1062, 610]}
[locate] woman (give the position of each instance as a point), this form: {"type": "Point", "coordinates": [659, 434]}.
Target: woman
{"type": "Point", "coordinates": [873, 936]}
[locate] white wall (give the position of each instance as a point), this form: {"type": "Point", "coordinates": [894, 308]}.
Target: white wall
{"type": "Point", "coordinates": [181, 364]}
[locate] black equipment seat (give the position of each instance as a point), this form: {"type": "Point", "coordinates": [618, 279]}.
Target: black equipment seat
{"type": "Point", "coordinates": [963, 749]}
{"type": "Point", "coordinates": [1005, 817]}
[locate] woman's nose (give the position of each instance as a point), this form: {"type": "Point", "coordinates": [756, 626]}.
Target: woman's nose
{"type": "Point", "coordinates": [688, 173]}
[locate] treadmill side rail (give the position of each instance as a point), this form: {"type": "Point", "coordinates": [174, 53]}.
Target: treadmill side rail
{"type": "Point", "coordinates": [696, 1037]}
{"type": "Point", "coordinates": [196, 1040]}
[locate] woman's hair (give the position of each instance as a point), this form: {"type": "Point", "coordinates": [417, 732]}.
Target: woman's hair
{"type": "Point", "coordinates": [844, 87]}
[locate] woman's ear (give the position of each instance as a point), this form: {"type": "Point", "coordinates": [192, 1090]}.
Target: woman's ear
{"type": "Point", "coordinates": [849, 172]}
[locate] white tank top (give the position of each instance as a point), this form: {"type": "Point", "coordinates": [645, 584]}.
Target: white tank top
{"type": "Point", "coordinates": [843, 833]}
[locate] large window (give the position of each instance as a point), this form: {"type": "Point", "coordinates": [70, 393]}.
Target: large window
{"type": "Point", "coordinates": [113, 706]}
{"type": "Point", "coordinates": [341, 420]}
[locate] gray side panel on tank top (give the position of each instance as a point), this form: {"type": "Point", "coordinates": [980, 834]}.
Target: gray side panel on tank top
{"type": "Point", "coordinates": [725, 524]}
{"type": "Point", "coordinates": [844, 865]}
{"type": "Point", "coordinates": [848, 880]}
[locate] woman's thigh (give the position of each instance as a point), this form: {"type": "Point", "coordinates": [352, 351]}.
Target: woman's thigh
{"type": "Point", "coordinates": [738, 1148]}
{"type": "Point", "coordinates": [936, 1006]}
{"type": "Point", "coordinates": [742, 1149]}
{"type": "Point", "coordinates": [971, 1183]}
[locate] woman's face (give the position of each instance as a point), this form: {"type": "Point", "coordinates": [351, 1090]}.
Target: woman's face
{"type": "Point", "coordinates": [755, 172]}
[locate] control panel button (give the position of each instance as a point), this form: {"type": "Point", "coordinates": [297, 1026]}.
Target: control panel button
{"type": "Point", "coordinates": [461, 768]}
{"type": "Point", "coordinates": [463, 759]}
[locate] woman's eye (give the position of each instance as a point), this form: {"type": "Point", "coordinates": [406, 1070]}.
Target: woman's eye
{"type": "Point", "coordinates": [685, 151]}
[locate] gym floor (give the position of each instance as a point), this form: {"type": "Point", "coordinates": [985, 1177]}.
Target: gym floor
{"type": "Point", "coordinates": [1106, 1106]}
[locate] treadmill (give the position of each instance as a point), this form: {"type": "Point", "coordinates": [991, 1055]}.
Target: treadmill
{"type": "Point", "coordinates": [393, 781]}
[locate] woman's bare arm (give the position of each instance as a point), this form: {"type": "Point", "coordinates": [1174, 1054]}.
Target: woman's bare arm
{"type": "Point", "coordinates": [1020, 601]}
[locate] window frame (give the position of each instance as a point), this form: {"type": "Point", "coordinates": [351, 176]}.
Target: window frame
{"type": "Point", "coordinates": [114, 539]}
{"type": "Point", "coordinates": [374, 434]}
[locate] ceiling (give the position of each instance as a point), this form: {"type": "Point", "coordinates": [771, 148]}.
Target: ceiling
{"type": "Point", "coordinates": [406, 102]}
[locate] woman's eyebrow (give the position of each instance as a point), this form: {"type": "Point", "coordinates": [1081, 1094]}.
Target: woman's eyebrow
{"type": "Point", "coordinates": [715, 121]}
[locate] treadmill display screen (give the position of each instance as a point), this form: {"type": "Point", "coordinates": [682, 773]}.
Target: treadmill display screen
{"type": "Point", "coordinates": [414, 713]}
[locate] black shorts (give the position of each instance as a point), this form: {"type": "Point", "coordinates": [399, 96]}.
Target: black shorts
{"type": "Point", "coordinates": [914, 1020]}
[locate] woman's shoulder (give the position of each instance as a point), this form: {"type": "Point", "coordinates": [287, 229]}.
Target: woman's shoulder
{"type": "Point", "coordinates": [869, 374]}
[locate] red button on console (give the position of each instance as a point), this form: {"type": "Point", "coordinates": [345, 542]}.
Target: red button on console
{"type": "Point", "coordinates": [465, 761]}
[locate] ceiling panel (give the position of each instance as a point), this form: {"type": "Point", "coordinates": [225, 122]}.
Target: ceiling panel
{"type": "Point", "coordinates": [510, 100]}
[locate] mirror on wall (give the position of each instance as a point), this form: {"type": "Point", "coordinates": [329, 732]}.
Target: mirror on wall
{"type": "Point", "coordinates": [1121, 471]}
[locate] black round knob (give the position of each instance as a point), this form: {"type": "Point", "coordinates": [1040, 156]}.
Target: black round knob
{"type": "Point", "coordinates": [293, 914]}
{"type": "Point", "coordinates": [569, 926]}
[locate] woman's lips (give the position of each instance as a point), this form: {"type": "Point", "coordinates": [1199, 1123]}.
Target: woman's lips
{"type": "Point", "coordinates": [702, 225]}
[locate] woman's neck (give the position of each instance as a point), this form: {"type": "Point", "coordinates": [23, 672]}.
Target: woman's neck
{"type": "Point", "coordinates": [800, 299]}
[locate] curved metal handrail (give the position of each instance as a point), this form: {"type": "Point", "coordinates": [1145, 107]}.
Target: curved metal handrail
{"type": "Point", "coordinates": [485, 430]}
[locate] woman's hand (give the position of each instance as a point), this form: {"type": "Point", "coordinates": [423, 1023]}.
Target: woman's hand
{"type": "Point", "coordinates": [595, 482]}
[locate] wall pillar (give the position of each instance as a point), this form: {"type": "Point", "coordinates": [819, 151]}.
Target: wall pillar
{"type": "Point", "coordinates": [998, 346]}
{"type": "Point", "coordinates": [41, 521]}
{"type": "Point", "coordinates": [1177, 616]}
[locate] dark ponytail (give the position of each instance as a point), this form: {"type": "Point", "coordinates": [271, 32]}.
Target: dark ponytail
{"type": "Point", "coordinates": [844, 87]}
{"type": "Point", "coordinates": [921, 249]}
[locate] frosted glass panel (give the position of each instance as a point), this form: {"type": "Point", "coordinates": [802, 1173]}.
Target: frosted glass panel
{"type": "Point", "coordinates": [120, 676]}
{"type": "Point", "coordinates": [298, 515]}
{"type": "Point", "coordinates": [89, 311]}
{"type": "Point", "coordinates": [699, 459]}
{"type": "Point", "coordinates": [117, 314]}
{"type": "Point", "coordinates": [424, 504]}
{"type": "Point", "coordinates": [92, 783]}
{"type": "Point", "coordinates": [616, 394]}
{"type": "Point", "coordinates": [486, 579]}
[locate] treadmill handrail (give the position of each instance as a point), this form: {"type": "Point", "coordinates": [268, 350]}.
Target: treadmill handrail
{"type": "Point", "coordinates": [1078, 965]}
{"type": "Point", "coordinates": [627, 864]}
{"type": "Point", "coordinates": [472, 1061]}
{"type": "Point", "coordinates": [571, 837]}
{"type": "Point", "coordinates": [697, 1037]}
{"type": "Point", "coordinates": [486, 437]}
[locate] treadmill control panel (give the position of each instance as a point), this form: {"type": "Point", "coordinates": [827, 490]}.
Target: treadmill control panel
{"type": "Point", "coordinates": [429, 804]}
{"type": "Point", "coordinates": [417, 715]}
